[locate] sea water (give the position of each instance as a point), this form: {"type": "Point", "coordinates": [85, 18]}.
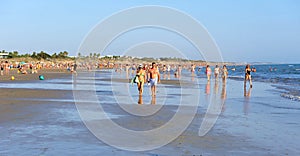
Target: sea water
{"type": "Point", "coordinates": [285, 77]}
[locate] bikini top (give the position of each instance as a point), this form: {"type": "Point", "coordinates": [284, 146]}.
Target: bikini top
{"type": "Point", "coordinates": [140, 74]}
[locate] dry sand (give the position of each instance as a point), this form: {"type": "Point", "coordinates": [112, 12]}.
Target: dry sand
{"type": "Point", "coordinates": [47, 73]}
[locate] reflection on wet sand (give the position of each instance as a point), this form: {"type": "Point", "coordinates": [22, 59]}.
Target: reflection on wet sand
{"type": "Point", "coordinates": [215, 99]}
{"type": "Point", "coordinates": [219, 99]}
{"type": "Point", "coordinates": [216, 87]}
{"type": "Point", "coordinates": [207, 88]}
{"type": "Point", "coordinates": [223, 95]}
{"type": "Point", "coordinates": [153, 100]}
{"type": "Point", "coordinates": [247, 95]}
{"type": "Point", "coordinates": [207, 91]}
{"type": "Point", "coordinates": [193, 76]}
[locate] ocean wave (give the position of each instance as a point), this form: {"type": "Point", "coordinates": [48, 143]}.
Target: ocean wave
{"type": "Point", "coordinates": [290, 96]}
{"type": "Point", "coordinates": [235, 77]}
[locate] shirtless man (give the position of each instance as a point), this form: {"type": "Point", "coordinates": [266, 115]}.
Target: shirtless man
{"type": "Point", "coordinates": [154, 76]}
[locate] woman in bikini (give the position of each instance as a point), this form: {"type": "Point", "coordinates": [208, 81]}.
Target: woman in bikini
{"type": "Point", "coordinates": [224, 73]}
{"type": "Point", "coordinates": [141, 76]}
{"type": "Point", "coordinates": [248, 75]}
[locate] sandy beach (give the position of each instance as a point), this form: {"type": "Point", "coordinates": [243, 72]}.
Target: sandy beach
{"type": "Point", "coordinates": [36, 119]}
{"type": "Point", "coordinates": [47, 73]}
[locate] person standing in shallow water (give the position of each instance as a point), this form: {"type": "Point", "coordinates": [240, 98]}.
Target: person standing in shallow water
{"type": "Point", "coordinates": [224, 73]}
{"type": "Point", "coordinates": [217, 72]}
{"type": "Point", "coordinates": [208, 72]}
{"type": "Point", "coordinates": [248, 75]}
{"type": "Point", "coordinates": [154, 77]}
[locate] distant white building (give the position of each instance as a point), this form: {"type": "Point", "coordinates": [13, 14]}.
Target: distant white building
{"type": "Point", "coordinates": [3, 55]}
{"type": "Point", "coordinates": [109, 56]}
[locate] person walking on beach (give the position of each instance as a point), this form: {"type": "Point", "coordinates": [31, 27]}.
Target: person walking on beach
{"type": "Point", "coordinates": [248, 75]}
{"type": "Point", "coordinates": [141, 76]}
{"type": "Point", "coordinates": [169, 71]}
{"type": "Point", "coordinates": [133, 68]}
{"type": "Point", "coordinates": [164, 70]}
{"type": "Point", "coordinates": [75, 68]}
{"type": "Point", "coordinates": [154, 76]}
{"type": "Point", "coordinates": [193, 69]}
{"type": "Point", "coordinates": [177, 72]}
{"type": "Point", "coordinates": [224, 73]}
{"type": "Point", "coordinates": [127, 70]}
{"type": "Point", "coordinates": [217, 72]}
{"type": "Point", "coordinates": [208, 72]}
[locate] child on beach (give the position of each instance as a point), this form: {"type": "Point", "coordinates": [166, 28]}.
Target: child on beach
{"type": "Point", "coordinates": [208, 72]}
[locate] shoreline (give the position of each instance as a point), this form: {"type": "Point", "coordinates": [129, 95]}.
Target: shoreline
{"type": "Point", "coordinates": [48, 74]}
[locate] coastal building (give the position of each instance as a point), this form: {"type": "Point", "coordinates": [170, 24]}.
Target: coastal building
{"type": "Point", "coordinates": [3, 55]}
{"type": "Point", "coordinates": [107, 56]}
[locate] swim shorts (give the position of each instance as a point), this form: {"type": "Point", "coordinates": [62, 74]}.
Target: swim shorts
{"type": "Point", "coordinates": [153, 82]}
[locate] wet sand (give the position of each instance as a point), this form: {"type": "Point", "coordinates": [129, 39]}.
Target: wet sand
{"type": "Point", "coordinates": [46, 121]}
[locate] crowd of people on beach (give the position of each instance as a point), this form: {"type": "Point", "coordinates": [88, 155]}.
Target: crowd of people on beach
{"type": "Point", "coordinates": [145, 73]}
{"type": "Point", "coordinates": [33, 67]}
{"type": "Point", "coordinates": [151, 73]}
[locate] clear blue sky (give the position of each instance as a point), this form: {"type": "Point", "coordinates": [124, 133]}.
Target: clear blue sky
{"type": "Point", "coordinates": [245, 31]}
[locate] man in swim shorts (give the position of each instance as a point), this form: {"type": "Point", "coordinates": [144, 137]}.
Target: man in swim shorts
{"type": "Point", "coordinates": [154, 77]}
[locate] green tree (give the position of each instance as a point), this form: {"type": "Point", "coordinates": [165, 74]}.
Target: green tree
{"type": "Point", "coordinates": [13, 54]}
{"type": "Point", "coordinates": [61, 55]}
{"type": "Point", "coordinates": [43, 55]}
{"type": "Point", "coordinates": [65, 53]}
{"type": "Point", "coordinates": [54, 55]}
{"type": "Point", "coordinates": [33, 55]}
